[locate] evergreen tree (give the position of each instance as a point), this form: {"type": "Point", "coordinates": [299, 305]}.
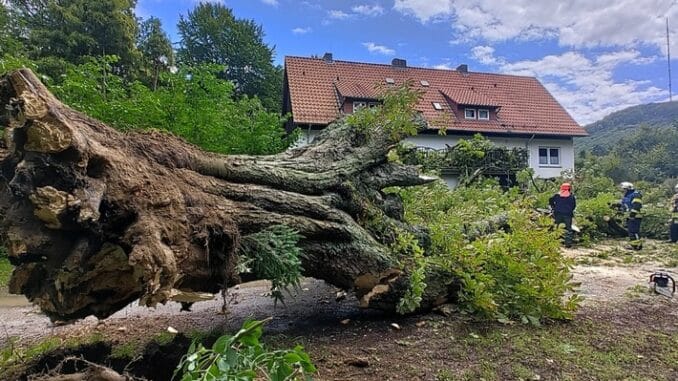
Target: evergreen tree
{"type": "Point", "coordinates": [8, 43]}
{"type": "Point", "coordinates": [156, 48]}
{"type": "Point", "coordinates": [211, 34]}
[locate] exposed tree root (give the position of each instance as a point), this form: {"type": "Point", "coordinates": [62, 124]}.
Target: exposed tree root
{"type": "Point", "coordinates": [95, 218]}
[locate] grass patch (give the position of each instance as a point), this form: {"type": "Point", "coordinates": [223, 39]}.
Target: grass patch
{"type": "Point", "coordinates": [164, 338]}
{"type": "Point", "coordinates": [5, 270]}
{"type": "Point", "coordinates": [568, 353]}
{"type": "Point", "coordinates": [126, 350]}
{"type": "Point", "coordinates": [14, 354]}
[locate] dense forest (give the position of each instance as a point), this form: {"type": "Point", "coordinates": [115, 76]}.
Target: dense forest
{"type": "Point", "coordinates": [637, 143]}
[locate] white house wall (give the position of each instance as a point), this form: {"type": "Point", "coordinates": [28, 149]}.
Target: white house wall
{"type": "Point", "coordinates": [305, 138]}
{"type": "Point", "coordinates": [566, 146]}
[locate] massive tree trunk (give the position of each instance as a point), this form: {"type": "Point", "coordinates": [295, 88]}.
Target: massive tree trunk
{"type": "Point", "coordinates": [95, 218]}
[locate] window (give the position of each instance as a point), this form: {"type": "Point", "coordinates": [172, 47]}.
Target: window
{"type": "Point", "coordinates": [425, 83]}
{"type": "Point", "coordinates": [437, 106]}
{"type": "Point", "coordinates": [390, 81]}
{"type": "Point", "coordinates": [372, 104]}
{"type": "Point", "coordinates": [549, 156]}
{"type": "Point", "coordinates": [358, 105]}
{"type": "Point", "coordinates": [469, 113]}
{"type": "Point", "coordinates": [483, 114]}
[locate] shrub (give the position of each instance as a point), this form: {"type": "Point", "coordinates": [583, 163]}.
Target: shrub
{"type": "Point", "coordinates": [243, 357]}
{"type": "Point", "coordinates": [517, 273]}
{"type": "Point", "coordinates": [590, 215]}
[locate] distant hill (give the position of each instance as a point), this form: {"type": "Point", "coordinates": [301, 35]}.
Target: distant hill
{"type": "Point", "coordinates": [609, 130]}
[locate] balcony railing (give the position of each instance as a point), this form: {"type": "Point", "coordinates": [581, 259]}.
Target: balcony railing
{"type": "Point", "coordinates": [494, 161]}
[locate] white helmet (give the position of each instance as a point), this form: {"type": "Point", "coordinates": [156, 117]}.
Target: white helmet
{"type": "Point", "coordinates": [626, 185]}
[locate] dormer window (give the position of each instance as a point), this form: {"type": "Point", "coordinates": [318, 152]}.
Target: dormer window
{"type": "Point", "coordinates": [483, 114]}
{"type": "Point", "coordinates": [469, 113]}
{"type": "Point", "coordinates": [357, 105]}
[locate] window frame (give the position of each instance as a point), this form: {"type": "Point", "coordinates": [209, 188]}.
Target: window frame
{"type": "Point", "coordinates": [357, 105]}
{"type": "Point", "coordinates": [475, 113]}
{"type": "Point", "coordinates": [549, 157]}
{"type": "Point", "coordinates": [485, 110]}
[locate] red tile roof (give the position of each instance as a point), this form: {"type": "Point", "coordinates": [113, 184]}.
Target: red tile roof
{"type": "Point", "coordinates": [316, 87]}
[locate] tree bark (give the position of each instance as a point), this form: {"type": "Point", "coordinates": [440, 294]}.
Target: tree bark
{"type": "Point", "coordinates": [95, 218]}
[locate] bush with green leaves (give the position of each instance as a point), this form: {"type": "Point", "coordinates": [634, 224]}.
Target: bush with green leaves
{"type": "Point", "coordinates": [242, 357]}
{"type": "Point", "coordinates": [395, 115]}
{"type": "Point", "coordinates": [193, 103]}
{"type": "Point", "coordinates": [407, 249]}
{"type": "Point", "coordinates": [512, 274]}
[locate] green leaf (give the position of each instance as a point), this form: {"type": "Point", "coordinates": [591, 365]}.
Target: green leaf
{"type": "Point", "coordinates": [222, 344]}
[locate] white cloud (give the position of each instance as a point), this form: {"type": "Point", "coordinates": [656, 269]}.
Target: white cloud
{"type": "Point", "coordinates": [424, 10]}
{"type": "Point", "coordinates": [443, 66]}
{"type": "Point", "coordinates": [484, 55]}
{"type": "Point", "coordinates": [270, 2]}
{"type": "Point", "coordinates": [585, 87]}
{"type": "Point", "coordinates": [300, 30]}
{"type": "Point", "coordinates": [337, 14]}
{"type": "Point", "coordinates": [368, 10]}
{"type": "Point", "coordinates": [379, 49]}
{"type": "Point", "coordinates": [578, 23]}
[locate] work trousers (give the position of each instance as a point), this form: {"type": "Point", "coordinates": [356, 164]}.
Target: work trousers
{"type": "Point", "coordinates": [567, 221]}
{"type": "Point", "coordinates": [633, 227]}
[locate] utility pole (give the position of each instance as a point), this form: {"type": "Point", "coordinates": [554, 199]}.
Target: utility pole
{"type": "Point", "coordinates": [668, 54]}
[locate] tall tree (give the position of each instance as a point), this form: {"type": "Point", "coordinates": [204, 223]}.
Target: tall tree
{"type": "Point", "coordinates": [156, 48]}
{"type": "Point", "coordinates": [211, 34]}
{"type": "Point", "coordinates": [72, 29]}
{"type": "Point", "coordinates": [8, 43]}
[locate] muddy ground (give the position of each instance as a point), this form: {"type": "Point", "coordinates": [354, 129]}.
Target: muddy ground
{"type": "Point", "coordinates": [621, 331]}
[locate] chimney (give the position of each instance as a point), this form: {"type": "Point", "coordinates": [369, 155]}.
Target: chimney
{"type": "Point", "coordinates": [463, 68]}
{"type": "Point", "coordinates": [328, 58]}
{"type": "Point", "coordinates": [397, 62]}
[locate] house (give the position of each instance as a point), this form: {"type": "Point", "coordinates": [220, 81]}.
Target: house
{"type": "Point", "coordinates": [512, 111]}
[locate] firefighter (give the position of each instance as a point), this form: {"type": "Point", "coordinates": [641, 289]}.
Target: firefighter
{"type": "Point", "coordinates": [673, 223]}
{"type": "Point", "coordinates": [631, 203]}
{"type": "Point", "coordinates": [563, 204]}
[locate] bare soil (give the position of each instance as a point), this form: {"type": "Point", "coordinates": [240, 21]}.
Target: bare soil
{"type": "Point", "coordinates": [621, 332]}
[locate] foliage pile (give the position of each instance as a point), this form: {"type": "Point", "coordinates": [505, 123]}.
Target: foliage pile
{"type": "Point", "coordinates": [242, 357]}
{"type": "Point", "coordinates": [512, 274]}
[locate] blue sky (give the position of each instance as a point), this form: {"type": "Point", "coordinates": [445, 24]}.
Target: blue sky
{"type": "Point", "coordinates": [595, 57]}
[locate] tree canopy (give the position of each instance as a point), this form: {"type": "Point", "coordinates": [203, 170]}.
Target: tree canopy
{"type": "Point", "coordinates": [8, 43]}
{"type": "Point", "coordinates": [73, 29]}
{"type": "Point", "coordinates": [212, 34]}
{"type": "Point", "coordinates": [156, 48]}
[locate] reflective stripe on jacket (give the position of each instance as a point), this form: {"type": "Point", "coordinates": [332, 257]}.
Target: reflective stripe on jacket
{"type": "Point", "coordinates": [632, 203]}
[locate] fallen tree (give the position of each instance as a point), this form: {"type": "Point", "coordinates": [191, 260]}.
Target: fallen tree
{"type": "Point", "coordinates": [94, 219]}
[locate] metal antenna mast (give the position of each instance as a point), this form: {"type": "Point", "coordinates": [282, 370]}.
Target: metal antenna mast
{"type": "Point", "coordinates": [668, 53]}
